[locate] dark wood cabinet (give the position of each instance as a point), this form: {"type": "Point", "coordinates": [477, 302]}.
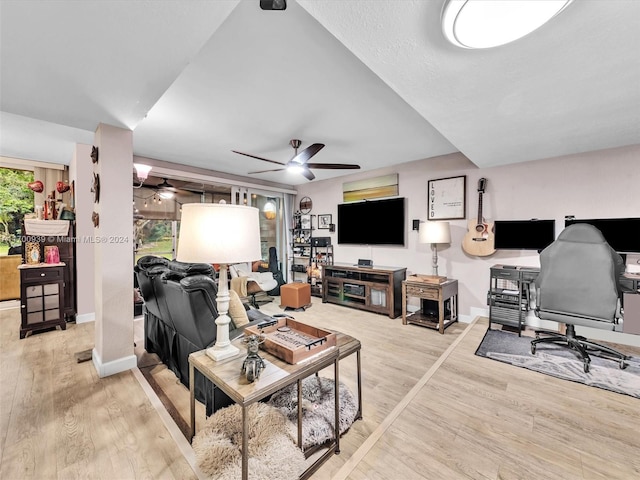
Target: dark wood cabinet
{"type": "Point", "coordinates": [67, 248]}
{"type": "Point", "coordinates": [42, 290]}
{"type": "Point", "coordinates": [376, 289]}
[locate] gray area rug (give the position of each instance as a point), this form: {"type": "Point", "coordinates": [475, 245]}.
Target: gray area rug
{"type": "Point", "coordinates": [561, 362]}
{"type": "Point", "coordinates": [318, 408]}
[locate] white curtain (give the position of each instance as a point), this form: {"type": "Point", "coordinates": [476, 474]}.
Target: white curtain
{"type": "Point", "coordinates": [288, 210]}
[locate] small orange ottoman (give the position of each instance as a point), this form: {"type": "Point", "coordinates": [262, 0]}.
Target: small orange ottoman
{"type": "Point", "coordinates": [295, 295]}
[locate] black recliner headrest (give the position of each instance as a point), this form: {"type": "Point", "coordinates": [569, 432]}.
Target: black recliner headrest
{"type": "Point", "coordinates": [178, 270]}
{"type": "Point", "coordinates": [149, 261]}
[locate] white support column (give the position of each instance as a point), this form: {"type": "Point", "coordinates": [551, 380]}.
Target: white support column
{"type": "Point", "coordinates": [113, 351]}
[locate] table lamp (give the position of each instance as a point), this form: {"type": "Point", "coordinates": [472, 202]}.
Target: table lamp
{"type": "Point", "coordinates": [224, 234]}
{"type": "Point", "coordinates": [434, 233]}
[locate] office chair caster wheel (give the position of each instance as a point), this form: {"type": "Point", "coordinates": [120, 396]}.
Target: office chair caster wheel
{"type": "Point", "coordinates": [623, 364]}
{"type": "Point", "coordinates": [533, 349]}
{"type": "Point", "coordinates": [586, 366]}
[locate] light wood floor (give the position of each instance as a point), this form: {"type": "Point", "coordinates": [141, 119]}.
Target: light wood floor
{"type": "Point", "coordinates": [432, 410]}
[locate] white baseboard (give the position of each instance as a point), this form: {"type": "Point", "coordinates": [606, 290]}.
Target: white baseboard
{"type": "Point", "coordinates": [86, 317]}
{"type": "Point", "coordinates": [474, 312]}
{"type": "Point", "coordinates": [9, 304]}
{"type": "Point", "coordinates": [113, 367]}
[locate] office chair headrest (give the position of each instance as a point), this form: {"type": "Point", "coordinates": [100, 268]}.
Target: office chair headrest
{"type": "Point", "coordinates": [582, 233]}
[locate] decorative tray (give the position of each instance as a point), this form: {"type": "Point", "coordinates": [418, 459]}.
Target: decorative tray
{"type": "Point", "coordinates": [292, 341]}
{"type": "Point", "coordinates": [427, 279]}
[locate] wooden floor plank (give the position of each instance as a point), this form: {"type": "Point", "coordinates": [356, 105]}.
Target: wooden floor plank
{"type": "Point", "coordinates": [60, 421]}
{"type": "Point", "coordinates": [473, 418]}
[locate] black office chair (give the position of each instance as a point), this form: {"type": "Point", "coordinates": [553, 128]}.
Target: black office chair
{"type": "Point", "coordinates": [579, 285]}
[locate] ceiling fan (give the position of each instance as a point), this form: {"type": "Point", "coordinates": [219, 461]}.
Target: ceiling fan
{"type": "Point", "coordinates": [299, 162]}
{"type": "Point", "coordinates": [164, 189]}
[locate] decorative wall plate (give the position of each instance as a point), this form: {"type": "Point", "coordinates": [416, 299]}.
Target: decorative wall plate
{"type": "Point", "coordinates": [94, 154]}
{"type": "Point", "coordinates": [95, 188]}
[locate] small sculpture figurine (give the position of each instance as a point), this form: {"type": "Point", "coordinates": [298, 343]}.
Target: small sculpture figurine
{"type": "Point", "coordinates": [253, 364]}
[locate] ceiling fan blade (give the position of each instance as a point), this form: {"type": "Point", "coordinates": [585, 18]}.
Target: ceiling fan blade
{"type": "Point", "coordinates": [265, 171]}
{"type": "Point", "coordinates": [307, 173]}
{"type": "Point", "coordinates": [307, 153]}
{"type": "Point", "coordinates": [334, 166]}
{"type": "Point", "coordinates": [259, 158]}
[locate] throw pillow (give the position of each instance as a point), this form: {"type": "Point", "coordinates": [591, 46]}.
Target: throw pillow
{"type": "Point", "coordinates": [237, 311]}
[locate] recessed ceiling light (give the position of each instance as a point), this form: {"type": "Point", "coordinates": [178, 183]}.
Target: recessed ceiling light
{"type": "Point", "coordinates": [490, 23]}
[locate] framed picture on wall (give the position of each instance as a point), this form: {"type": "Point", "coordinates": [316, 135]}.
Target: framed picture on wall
{"type": "Point", "coordinates": [324, 221]}
{"type": "Point", "coordinates": [447, 198]}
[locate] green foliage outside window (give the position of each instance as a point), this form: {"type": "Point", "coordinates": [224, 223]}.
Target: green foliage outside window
{"type": "Point", "coordinates": [16, 199]}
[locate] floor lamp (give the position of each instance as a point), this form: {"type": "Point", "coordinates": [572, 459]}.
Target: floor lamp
{"type": "Point", "coordinates": [434, 233]}
{"type": "Point", "coordinates": [224, 234]}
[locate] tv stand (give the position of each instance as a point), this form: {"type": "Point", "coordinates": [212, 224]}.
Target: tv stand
{"type": "Point", "coordinates": [376, 289]}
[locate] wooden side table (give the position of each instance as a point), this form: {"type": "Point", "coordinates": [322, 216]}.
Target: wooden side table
{"type": "Point", "coordinates": [438, 292]}
{"type": "Point", "coordinates": [277, 374]}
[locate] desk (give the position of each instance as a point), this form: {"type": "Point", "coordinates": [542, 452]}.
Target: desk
{"type": "Point", "coordinates": [509, 297]}
{"type": "Point", "coordinates": [278, 374]}
{"type": "Point", "coordinates": [439, 293]}
{"type": "Point", "coordinates": [631, 303]}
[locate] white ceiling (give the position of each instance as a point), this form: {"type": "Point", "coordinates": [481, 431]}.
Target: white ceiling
{"type": "Point", "coordinates": [375, 81]}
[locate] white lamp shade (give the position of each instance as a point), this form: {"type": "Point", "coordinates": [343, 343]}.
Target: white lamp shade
{"type": "Point", "coordinates": [142, 171]}
{"type": "Point", "coordinates": [219, 233]}
{"type": "Point", "coordinates": [434, 232]}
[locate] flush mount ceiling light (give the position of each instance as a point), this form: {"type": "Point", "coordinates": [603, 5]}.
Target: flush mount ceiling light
{"type": "Point", "coordinates": [490, 23]}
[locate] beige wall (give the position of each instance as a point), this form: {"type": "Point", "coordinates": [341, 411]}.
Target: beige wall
{"type": "Point", "coordinates": [594, 184]}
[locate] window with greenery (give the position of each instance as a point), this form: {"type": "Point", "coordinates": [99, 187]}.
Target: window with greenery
{"type": "Point", "coordinates": [16, 199]}
{"type": "Point", "coordinates": [155, 237]}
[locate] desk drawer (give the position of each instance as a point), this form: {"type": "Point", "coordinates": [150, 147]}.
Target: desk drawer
{"type": "Point", "coordinates": [506, 273]}
{"type": "Point", "coordinates": [423, 292]}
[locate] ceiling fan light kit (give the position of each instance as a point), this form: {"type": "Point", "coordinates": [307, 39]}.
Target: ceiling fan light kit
{"type": "Point", "coordinates": [491, 23]}
{"type": "Point", "coordinates": [142, 172]}
{"type": "Point", "coordinates": [299, 162]}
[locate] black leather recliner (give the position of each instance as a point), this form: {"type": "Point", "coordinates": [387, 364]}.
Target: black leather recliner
{"type": "Point", "coordinates": [180, 313]}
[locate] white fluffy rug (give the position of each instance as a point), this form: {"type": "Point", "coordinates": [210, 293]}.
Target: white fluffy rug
{"type": "Point", "coordinates": [273, 454]}
{"type": "Point", "coordinates": [318, 414]}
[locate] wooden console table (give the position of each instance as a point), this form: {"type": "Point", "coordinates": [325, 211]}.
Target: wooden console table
{"type": "Point", "coordinates": [278, 374]}
{"type": "Point", "coordinates": [438, 292]}
{"type": "Point", "coordinates": [376, 289]}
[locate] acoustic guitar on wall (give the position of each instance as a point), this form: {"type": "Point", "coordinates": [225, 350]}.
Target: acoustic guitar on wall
{"type": "Point", "coordinates": [479, 240]}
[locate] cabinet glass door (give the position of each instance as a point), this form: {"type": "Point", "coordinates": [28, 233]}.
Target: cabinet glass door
{"type": "Point", "coordinates": [378, 297]}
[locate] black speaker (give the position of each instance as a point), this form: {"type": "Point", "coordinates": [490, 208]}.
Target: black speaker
{"type": "Point", "coordinates": [321, 241]}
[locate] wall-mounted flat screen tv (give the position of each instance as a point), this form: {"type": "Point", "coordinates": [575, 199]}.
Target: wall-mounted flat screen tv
{"type": "Point", "coordinates": [372, 222]}
{"type": "Point", "coordinates": [623, 234]}
{"type": "Point", "coordinates": [523, 234]}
